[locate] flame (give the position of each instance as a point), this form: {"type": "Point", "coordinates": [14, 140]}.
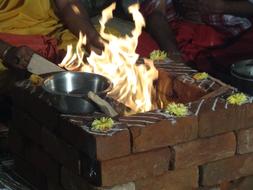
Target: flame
{"type": "Point", "coordinates": [132, 83]}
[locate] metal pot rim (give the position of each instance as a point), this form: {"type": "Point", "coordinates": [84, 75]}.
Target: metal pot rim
{"type": "Point", "coordinates": [243, 69]}
{"type": "Point", "coordinates": [108, 89]}
{"type": "Point", "coordinates": [241, 77]}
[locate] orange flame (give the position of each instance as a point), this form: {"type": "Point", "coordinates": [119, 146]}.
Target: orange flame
{"type": "Point", "coordinates": [132, 83]}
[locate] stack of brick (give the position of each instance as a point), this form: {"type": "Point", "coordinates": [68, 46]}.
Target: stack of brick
{"type": "Point", "coordinates": [3, 138]}
{"type": "Point", "coordinates": [212, 149]}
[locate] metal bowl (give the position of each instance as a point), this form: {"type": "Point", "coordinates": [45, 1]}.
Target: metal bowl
{"type": "Point", "coordinates": [242, 73]}
{"type": "Point", "coordinates": [69, 91]}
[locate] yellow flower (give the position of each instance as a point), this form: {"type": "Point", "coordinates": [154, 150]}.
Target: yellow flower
{"type": "Point", "coordinates": [179, 110]}
{"type": "Point", "coordinates": [36, 79]}
{"type": "Point", "coordinates": [237, 99]}
{"type": "Point", "coordinates": [158, 55]}
{"type": "Point", "coordinates": [102, 125]}
{"type": "Point", "coordinates": [200, 76]}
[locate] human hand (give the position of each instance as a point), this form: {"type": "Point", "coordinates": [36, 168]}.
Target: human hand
{"type": "Point", "coordinates": [95, 43]}
{"type": "Point", "coordinates": [17, 58]}
{"type": "Point", "coordinates": [205, 6]}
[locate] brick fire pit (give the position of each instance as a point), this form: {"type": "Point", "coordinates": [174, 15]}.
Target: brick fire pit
{"type": "Point", "coordinates": [153, 151]}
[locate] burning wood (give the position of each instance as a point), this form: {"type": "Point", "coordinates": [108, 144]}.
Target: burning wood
{"type": "Point", "coordinates": [132, 83]}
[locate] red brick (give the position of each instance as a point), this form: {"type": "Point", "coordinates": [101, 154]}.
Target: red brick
{"type": "Point", "coordinates": [206, 150]}
{"type": "Point", "coordinates": [164, 86]}
{"type": "Point", "coordinates": [127, 186]}
{"type": "Point", "coordinates": [249, 115]}
{"type": "Point", "coordinates": [211, 188]}
{"type": "Point", "coordinates": [126, 169]}
{"type": "Point", "coordinates": [18, 119]}
{"type": "Point", "coordinates": [3, 129]}
{"type": "Point", "coordinates": [62, 152]}
{"type": "Point", "coordinates": [91, 170]}
{"type": "Point", "coordinates": [37, 107]}
{"type": "Point", "coordinates": [96, 146]}
{"type": "Point", "coordinates": [42, 162]}
{"type": "Point", "coordinates": [27, 125]}
{"type": "Point", "coordinates": [133, 167]}
{"type": "Point", "coordinates": [17, 143]}
{"type": "Point", "coordinates": [72, 181]}
{"type": "Point", "coordinates": [18, 97]}
{"type": "Point", "coordinates": [114, 146]}
{"type": "Point", "coordinates": [227, 169]}
{"type": "Point", "coordinates": [242, 184]}
{"type": "Point", "coordinates": [245, 183]}
{"type": "Point", "coordinates": [4, 144]}
{"type": "Point", "coordinates": [32, 175]}
{"type": "Point", "coordinates": [187, 92]}
{"type": "Point", "coordinates": [245, 141]}
{"type": "Point", "coordinates": [223, 120]}
{"type": "Point", "coordinates": [53, 186]}
{"type": "Point", "coordinates": [164, 133]}
{"type": "Point", "coordinates": [183, 179]}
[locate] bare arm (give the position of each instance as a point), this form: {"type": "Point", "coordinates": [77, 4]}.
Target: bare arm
{"type": "Point", "coordinates": [160, 29]}
{"type": "Point", "coordinates": [76, 18]}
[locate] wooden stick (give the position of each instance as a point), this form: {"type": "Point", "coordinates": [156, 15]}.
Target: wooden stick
{"type": "Point", "coordinates": [103, 105]}
{"type": "Point", "coordinates": [217, 92]}
{"type": "Point", "coordinates": [220, 82]}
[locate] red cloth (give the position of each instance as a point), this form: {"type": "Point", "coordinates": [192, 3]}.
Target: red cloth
{"type": "Point", "coordinates": [221, 58]}
{"type": "Point", "coordinates": [209, 49]}
{"type": "Point", "coordinates": [146, 45]}
{"type": "Point", "coordinates": [47, 47]}
{"type": "Point", "coordinates": [195, 38]}
{"type": "Point", "coordinates": [229, 24]}
{"type": "Point", "coordinates": [192, 39]}
{"type": "Point", "coordinates": [43, 45]}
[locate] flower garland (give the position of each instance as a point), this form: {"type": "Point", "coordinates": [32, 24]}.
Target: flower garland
{"type": "Point", "coordinates": [237, 99]}
{"type": "Point", "coordinates": [103, 124]}
{"type": "Point", "coordinates": [177, 109]}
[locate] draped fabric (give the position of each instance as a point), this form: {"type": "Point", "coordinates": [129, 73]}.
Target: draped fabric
{"type": "Point", "coordinates": [30, 17]}
{"type": "Point", "coordinates": [212, 46]}
{"type": "Point", "coordinates": [32, 23]}
{"type": "Point", "coordinates": [231, 25]}
{"type": "Point", "coordinates": [27, 17]}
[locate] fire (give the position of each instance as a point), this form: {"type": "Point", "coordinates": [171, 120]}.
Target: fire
{"type": "Point", "coordinates": [132, 83]}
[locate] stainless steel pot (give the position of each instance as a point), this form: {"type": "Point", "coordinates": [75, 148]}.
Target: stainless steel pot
{"type": "Point", "coordinates": [69, 91]}
{"type": "Point", "coordinates": [242, 73]}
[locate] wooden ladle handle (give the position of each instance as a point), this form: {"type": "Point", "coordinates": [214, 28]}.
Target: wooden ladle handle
{"type": "Point", "coordinates": [102, 104]}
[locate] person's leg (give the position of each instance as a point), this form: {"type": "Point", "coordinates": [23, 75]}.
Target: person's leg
{"type": "Point", "coordinates": [146, 43]}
